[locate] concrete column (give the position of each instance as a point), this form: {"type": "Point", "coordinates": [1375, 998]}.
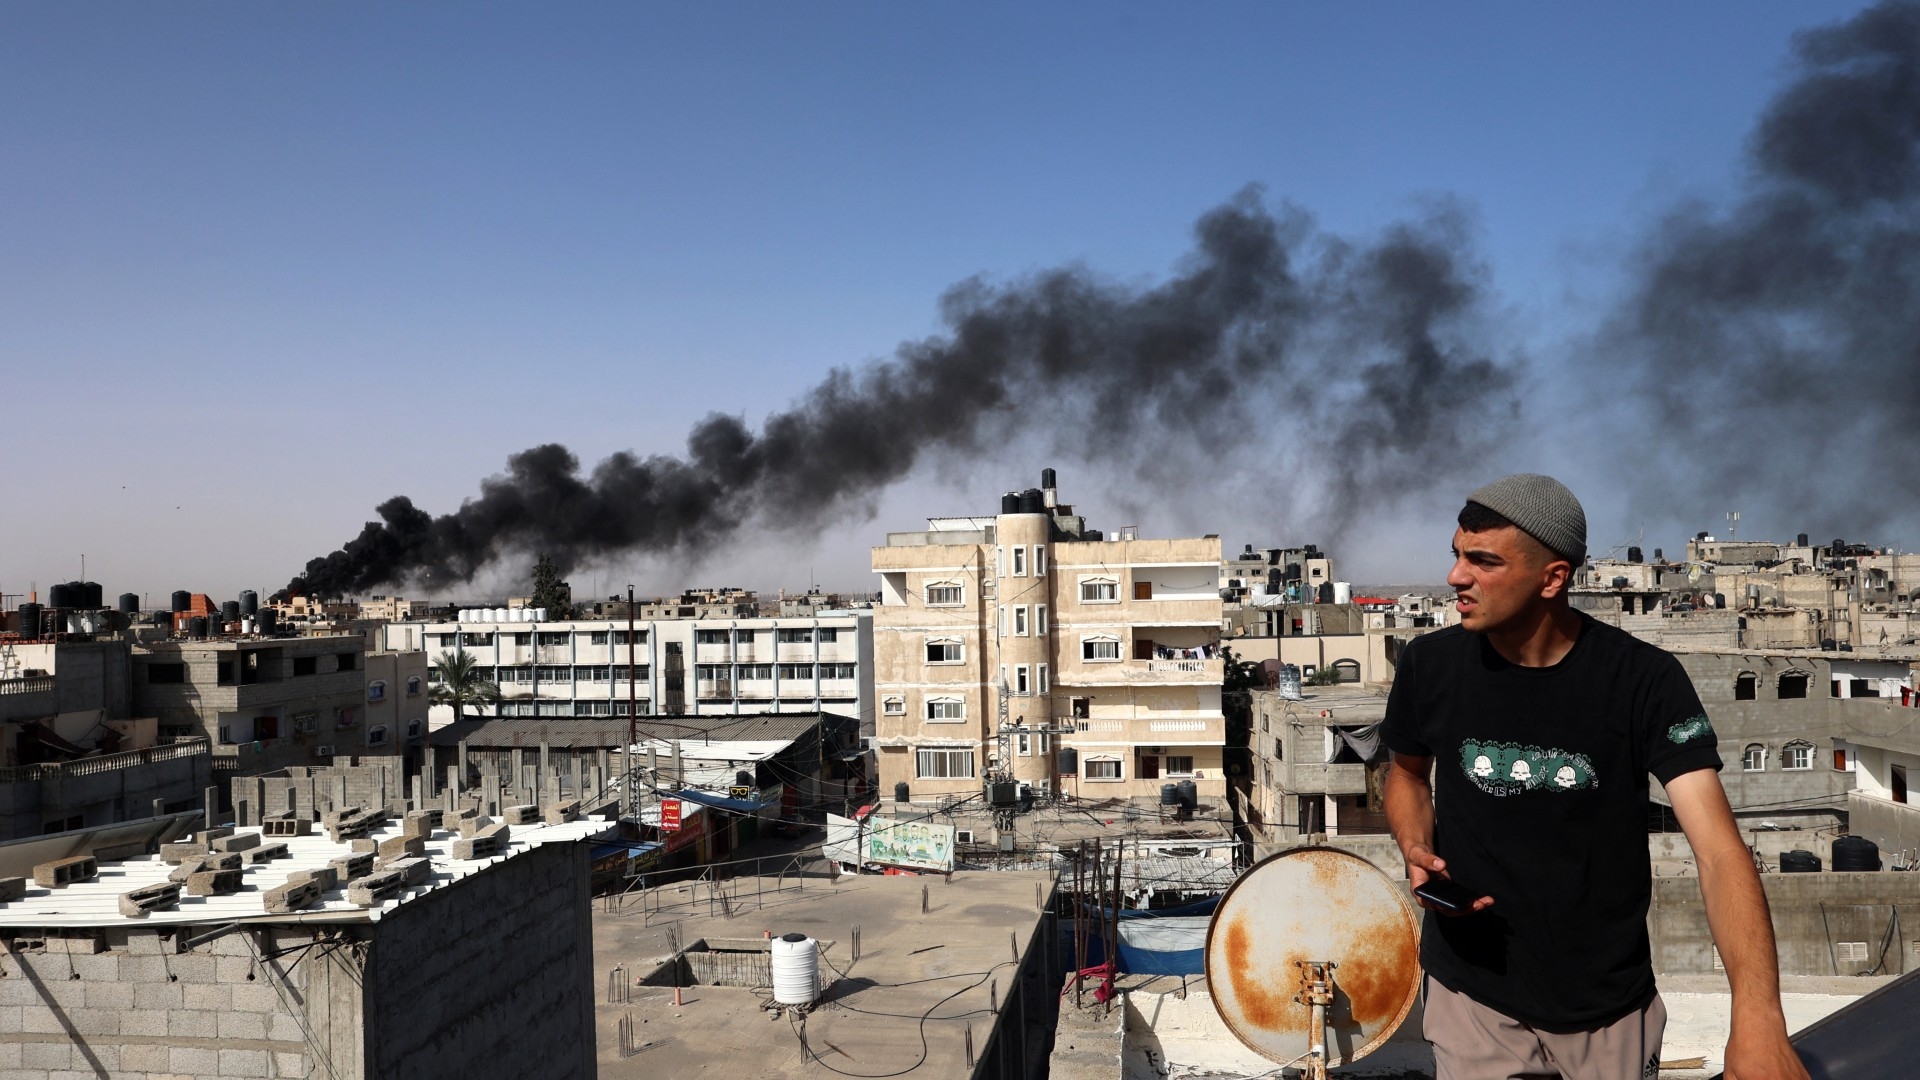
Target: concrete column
{"type": "Point", "coordinates": [490, 786]}
{"type": "Point", "coordinates": [212, 797]}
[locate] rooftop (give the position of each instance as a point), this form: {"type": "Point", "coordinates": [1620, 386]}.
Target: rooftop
{"type": "Point", "coordinates": [612, 731]}
{"type": "Point", "coordinates": [96, 901]}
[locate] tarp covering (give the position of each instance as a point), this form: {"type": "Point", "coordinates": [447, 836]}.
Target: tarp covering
{"type": "Point", "coordinates": [1362, 741]}
{"type": "Point", "coordinates": [1173, 946]}
{"type": "Point", "coordinates": [721, 802]}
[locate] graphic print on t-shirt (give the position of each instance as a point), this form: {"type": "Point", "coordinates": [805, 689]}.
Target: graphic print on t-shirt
{"type": "Point", "coordinates": [1697, 728]}
{"type": "Point", "coordinates": [1502, 768]}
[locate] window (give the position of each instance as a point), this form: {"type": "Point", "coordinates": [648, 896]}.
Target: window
{"type": "Point", "coordinates": [305, 722]}
{"type": "Point", "coordinates": [1040, 682]}
{"type": "Point", "coordinates": [1743, 686]}
{"type": "Point", "coordinates": [1019, 561]}
{"type": "Point", "coordinates": [743, 637]}
{"type": "Point", "coordinates": [1039, 561]}
{"type": "Point", "coordinates": [1755, 758]}
{"type": "Point", "coordinates": [476, 641]}
{"type": "Point", "coordinates": [513, 675]}
{"type": "Point", "coordinates": [1865, 687]}
{"type": "Point", "coordinates": [828, 635]}
{"type": "Point", "coordinates": [593, 673]}
{"type": "Point", "coordinates": [166, 673]}
{"type": "Point", "coordinates": [639, 637]}
{"type": "Point", "coordinates": [1793, 684]}
{"type": "Point", "coordinates": [1103, 769]}
{"type": "Point", "coordinates": [1040, 619]}
{"type": "Point", "coordinates": [413, 729]}
{"type": "Point", "coordinates": [226, 734]}
{"type": "Point", "coordinates": [377, 736]}
{"type": "Point", "coordinates": [893, 705]}
{"type": "Point", "coordinates": [344, 716]}
{"type": "Point", "coordinates": [523, 638]}
{"type": "Point", "coordinates": [1279, 754]}
{"type": "Point", "coordinates": [447, 641]}
{"type": "Point", "coordinates": [945, 594]}
{"type": "Point", "coordinates": [944, 764]}
{"type": "Point", "coordinates": [756, 672]}
{"type": "Point", "coordinates": [1023, 744]}
{"type": "Point", "coordinates": [1797, 755]}
{"type": "Point", "coordinates": [946, 709]}
{"type": "Point", "coordinates": [553, 673]}
{"type": "Point", "coordinates": [709, 637]}
{"type": "Point", "coordinates": [1022, 680]}
{"type": "Point", "coordinates": [1020, 614]}
{"type": "Point", "coordinates": [794, 637]}
{"type": "Point", "coordinates": [945, 651]}
{"type": "Point", "coordinates": [797, 671]}
{"type": "Point", "coordinates": [711, 672]}
{"type": "Point", "coordinates": [1100, 648]}
{"type": "Point", "coordinates": [347, 661]}
{"type": "Point", "coordinates": [553, 637]}
{"type": "Point", "coordinates": [598, 637]}
{"type": "Point", "coordinates": [306, 665]}
{"type": "Point", "coordinates": [376, 691]}
{"type": "Point", "coordinates": [836, 671]}
{"type": "Point", "coordinates": [1180, 765]}
{"type": "Point", "coordinates": [413, 686]}
{"type": "Point", "coordinates": [1099, 591]}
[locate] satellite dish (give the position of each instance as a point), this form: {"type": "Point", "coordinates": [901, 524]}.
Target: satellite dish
{"type": "Point", "coordinates": [1313, 958]}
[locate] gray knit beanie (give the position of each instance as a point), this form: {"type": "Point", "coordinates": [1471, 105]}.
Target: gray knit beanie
{"type": "Point", "coordinates": [1543, 508]}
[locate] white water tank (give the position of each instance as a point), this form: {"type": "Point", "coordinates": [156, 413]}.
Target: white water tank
{"type": "Point", "coordinates": [539, 614]}
{"type": "Point", "coordinates": [1343, 592]}
{"type": "Point", "coordinates": [795, 959]}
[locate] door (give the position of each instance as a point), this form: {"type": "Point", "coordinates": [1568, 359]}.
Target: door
{"type": "Point", "coordinates": [1143, 590]}
{"type": "Point", "coordinates": [1149, 766]}
{"type": "Point", "coordinates": [1142, 648]}
{"type": "Point", "coordinates": [1899, 777]}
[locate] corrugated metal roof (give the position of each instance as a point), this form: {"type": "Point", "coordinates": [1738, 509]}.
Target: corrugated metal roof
{"type": "Point", "coordinates": [598, 731]}
{"type": "Point", "coordinates": [97, 902]}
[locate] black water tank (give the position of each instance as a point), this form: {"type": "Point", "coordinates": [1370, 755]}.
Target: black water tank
{"type": "Point", "coordinates": [1069, 761]}
{"type": "Point", "coordinates": [1634, 555]}
{"type": "Point", "coordinates": [129, 602]}
{"type": "Point", "coordinates": [1047, 478]}
{"type": "Point", "coordinates": [163, 618]}
{"type": "Point", "coordinates": [1010, 503]}
{"type": "Point", "coordinates": [1719, 600]}
{"type": "Point", "coordinates": [61, 595]}
{"type": "Point", "coordinates": [742, 778]}
{"type": "Point", "coordinates": [197, 626]}
{"type": "Point", "coordinates": [230, 611]}
{"type": "Point", "coordinates": [900, 792]}
{"type": "Point", "coordinates": [1326, 592]}
{"type": "Point", "coordinates": [1619, 582]}
{"type": "Point", "coordinates": [1292, 572]}
{"type": "Point", "coordinates": [92, 596]}
{"type": "Point", "coordinates": [269, 620]}
{"type": "Point", "coordinates": [1658, 556]}
{"type": "Point", "coordinates": [30, 620]}
{"type": "Point", "coordinates": [1801, 540]}
{"type": "Point", "coordinates": [181, 599]}
{"type": "Point", "coordinates": [1169, 795]}
{"type": "Point", "coordinates": [1189, 794]}
{"type": "Point", "coordinates": [249, 603]}
{"type": "Point", "coordinates": [1799, 862]}
{"type": "Point", "coordinates": [1855, 853]}
{"type": "Point", "coordinates": [1033, 502]}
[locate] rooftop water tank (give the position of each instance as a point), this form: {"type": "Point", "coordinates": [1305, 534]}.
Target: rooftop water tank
{"type": "Point", "coordinates": [197, 626]}
{"type": "Point", "coordinates": [269, 620]}
{"type": "Point", "coordinates": [91, 594]}
{"type": "Point", "coordinates": [129, 602]}
{"type": "Point", "coordinates": [795, 959]}
{"type": "Point", "coordinates": [1633, 555]}
{"type": "Point", "coordinates": [1033, 501]}
{"type": "Point", "coordinates": [1189, 794]}
{"type": "Point", "coordinates": [1799, 862]}
{"type": "Point", "coordinates": [1855, 853]}
{"type": "Point", "coordinates": [61, 595]}
{"type": "Point", "coordinates": [249, 603]}
{"type": "Point", "coordinates": [1343, 592]}
{"type": "Point", "coordinates": [230, 611]}
{"type": "Point", "coordinates": [900, 792]}
{"type": "Point", "coordinates": [182, 599]}
{"type": "Point", "coordinates": [1169, 795]}
{"type": "Point", "coordinates": [30, 620]}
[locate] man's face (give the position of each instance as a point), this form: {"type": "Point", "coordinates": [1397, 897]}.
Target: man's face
{"type": "Point", "coordinates": [1500, 574]}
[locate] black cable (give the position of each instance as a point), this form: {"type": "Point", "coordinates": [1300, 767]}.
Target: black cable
{"type": "Point", "coordinates": [808, 1051]}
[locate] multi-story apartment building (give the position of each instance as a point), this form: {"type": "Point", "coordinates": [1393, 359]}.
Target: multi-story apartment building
{"type": "Point", "coordinates": [397, 701]}
{"type": "Point", "coordinates": [1026, 647]}
{"type": "Point", "coordinates": [264, 702]}
{"type": "Point", "coordinates": [701, 667]}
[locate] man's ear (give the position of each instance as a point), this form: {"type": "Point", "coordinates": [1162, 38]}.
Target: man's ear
{"type": "Point", "coordinates": [1555, 577]}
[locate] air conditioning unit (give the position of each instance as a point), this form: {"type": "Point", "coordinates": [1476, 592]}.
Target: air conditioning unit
{"type": "Point", "coordinates": [323, 750]}
{"type": "Point", "coordinates": [963, 836]}
{"type": "Point", "coordinates": [1153, 749]}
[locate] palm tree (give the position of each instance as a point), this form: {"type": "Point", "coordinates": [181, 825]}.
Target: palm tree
{"type": "Point", "coordinates": [458, 682]}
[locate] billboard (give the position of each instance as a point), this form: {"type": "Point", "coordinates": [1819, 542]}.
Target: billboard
{"type": "Point", "coordinates": [921, 845]}
{"type": "Point", "coordinates": [669, 815]}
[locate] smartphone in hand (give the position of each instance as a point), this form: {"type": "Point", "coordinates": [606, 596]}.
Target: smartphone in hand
{"type": "Point", "coordinates": [1447, 895]}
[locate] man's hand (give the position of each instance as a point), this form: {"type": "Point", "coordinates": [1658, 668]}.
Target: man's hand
{"type": "Point", "coordinates": [1422, 866]}
{"type": "Point", "coordinates": [1761, 1052]}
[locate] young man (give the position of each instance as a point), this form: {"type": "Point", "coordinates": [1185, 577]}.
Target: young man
{"type": "Point", "coordinates": [1539, 727]}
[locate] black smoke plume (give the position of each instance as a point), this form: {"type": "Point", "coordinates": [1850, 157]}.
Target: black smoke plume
{"type": "Point", "coordinates": [1366, 350]}
{"type": "Point", "coordinates": [1777, 340]}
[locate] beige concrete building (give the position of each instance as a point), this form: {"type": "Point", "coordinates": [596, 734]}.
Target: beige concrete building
{"type": "Point", "coordinates": [1023, 646]}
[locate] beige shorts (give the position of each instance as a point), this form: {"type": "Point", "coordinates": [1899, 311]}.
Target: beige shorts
{"type": "Point", "coordinates": [1473, 1042]}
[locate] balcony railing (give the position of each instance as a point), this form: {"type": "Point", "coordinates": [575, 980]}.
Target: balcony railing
{"type": "Point", "coordinates": [31, 684]}
{"type": "Point", "coordinates": [1169, 667]}
{"type": "Point", "coordinates": [88, 766]}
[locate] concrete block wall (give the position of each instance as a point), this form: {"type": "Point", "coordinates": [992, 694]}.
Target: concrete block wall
{"type": "Point", "coordinates": [492, 978]}
{"type": "Point", "coordinates": [1813, 915]}
{"type": "Point", "coordinates": [140, 1011]}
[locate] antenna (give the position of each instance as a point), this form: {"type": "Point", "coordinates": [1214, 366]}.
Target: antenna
{"type": "Point", "coordinates": [1733, 523]}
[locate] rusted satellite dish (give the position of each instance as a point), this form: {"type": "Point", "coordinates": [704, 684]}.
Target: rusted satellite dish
{"type": "Point", "coordinates": [1280, 927]}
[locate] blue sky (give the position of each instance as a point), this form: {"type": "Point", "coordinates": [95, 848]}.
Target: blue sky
{"type": "Point", "coordinates": [262, 266]}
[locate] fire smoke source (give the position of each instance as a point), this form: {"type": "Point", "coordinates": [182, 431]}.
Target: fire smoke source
{"type": "Point", "coordinates": [1778, 339]}
{"type": "Point", "coordinates": [1370, 346]}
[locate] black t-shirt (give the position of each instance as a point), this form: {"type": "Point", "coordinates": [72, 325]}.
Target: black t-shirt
{"type": "Point", "coordinates": [1540, 801]}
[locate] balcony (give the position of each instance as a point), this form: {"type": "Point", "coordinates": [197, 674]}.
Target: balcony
{"type": "Point", "coordinates": [32, 684]}
{"type": "Point", "coordinates": [1143, 673]}
{"type": "Point", "coordinates": [88, 766]}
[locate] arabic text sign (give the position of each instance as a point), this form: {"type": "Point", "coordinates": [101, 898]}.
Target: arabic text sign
{"type": "Point", "coordinates": [669, 815]}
